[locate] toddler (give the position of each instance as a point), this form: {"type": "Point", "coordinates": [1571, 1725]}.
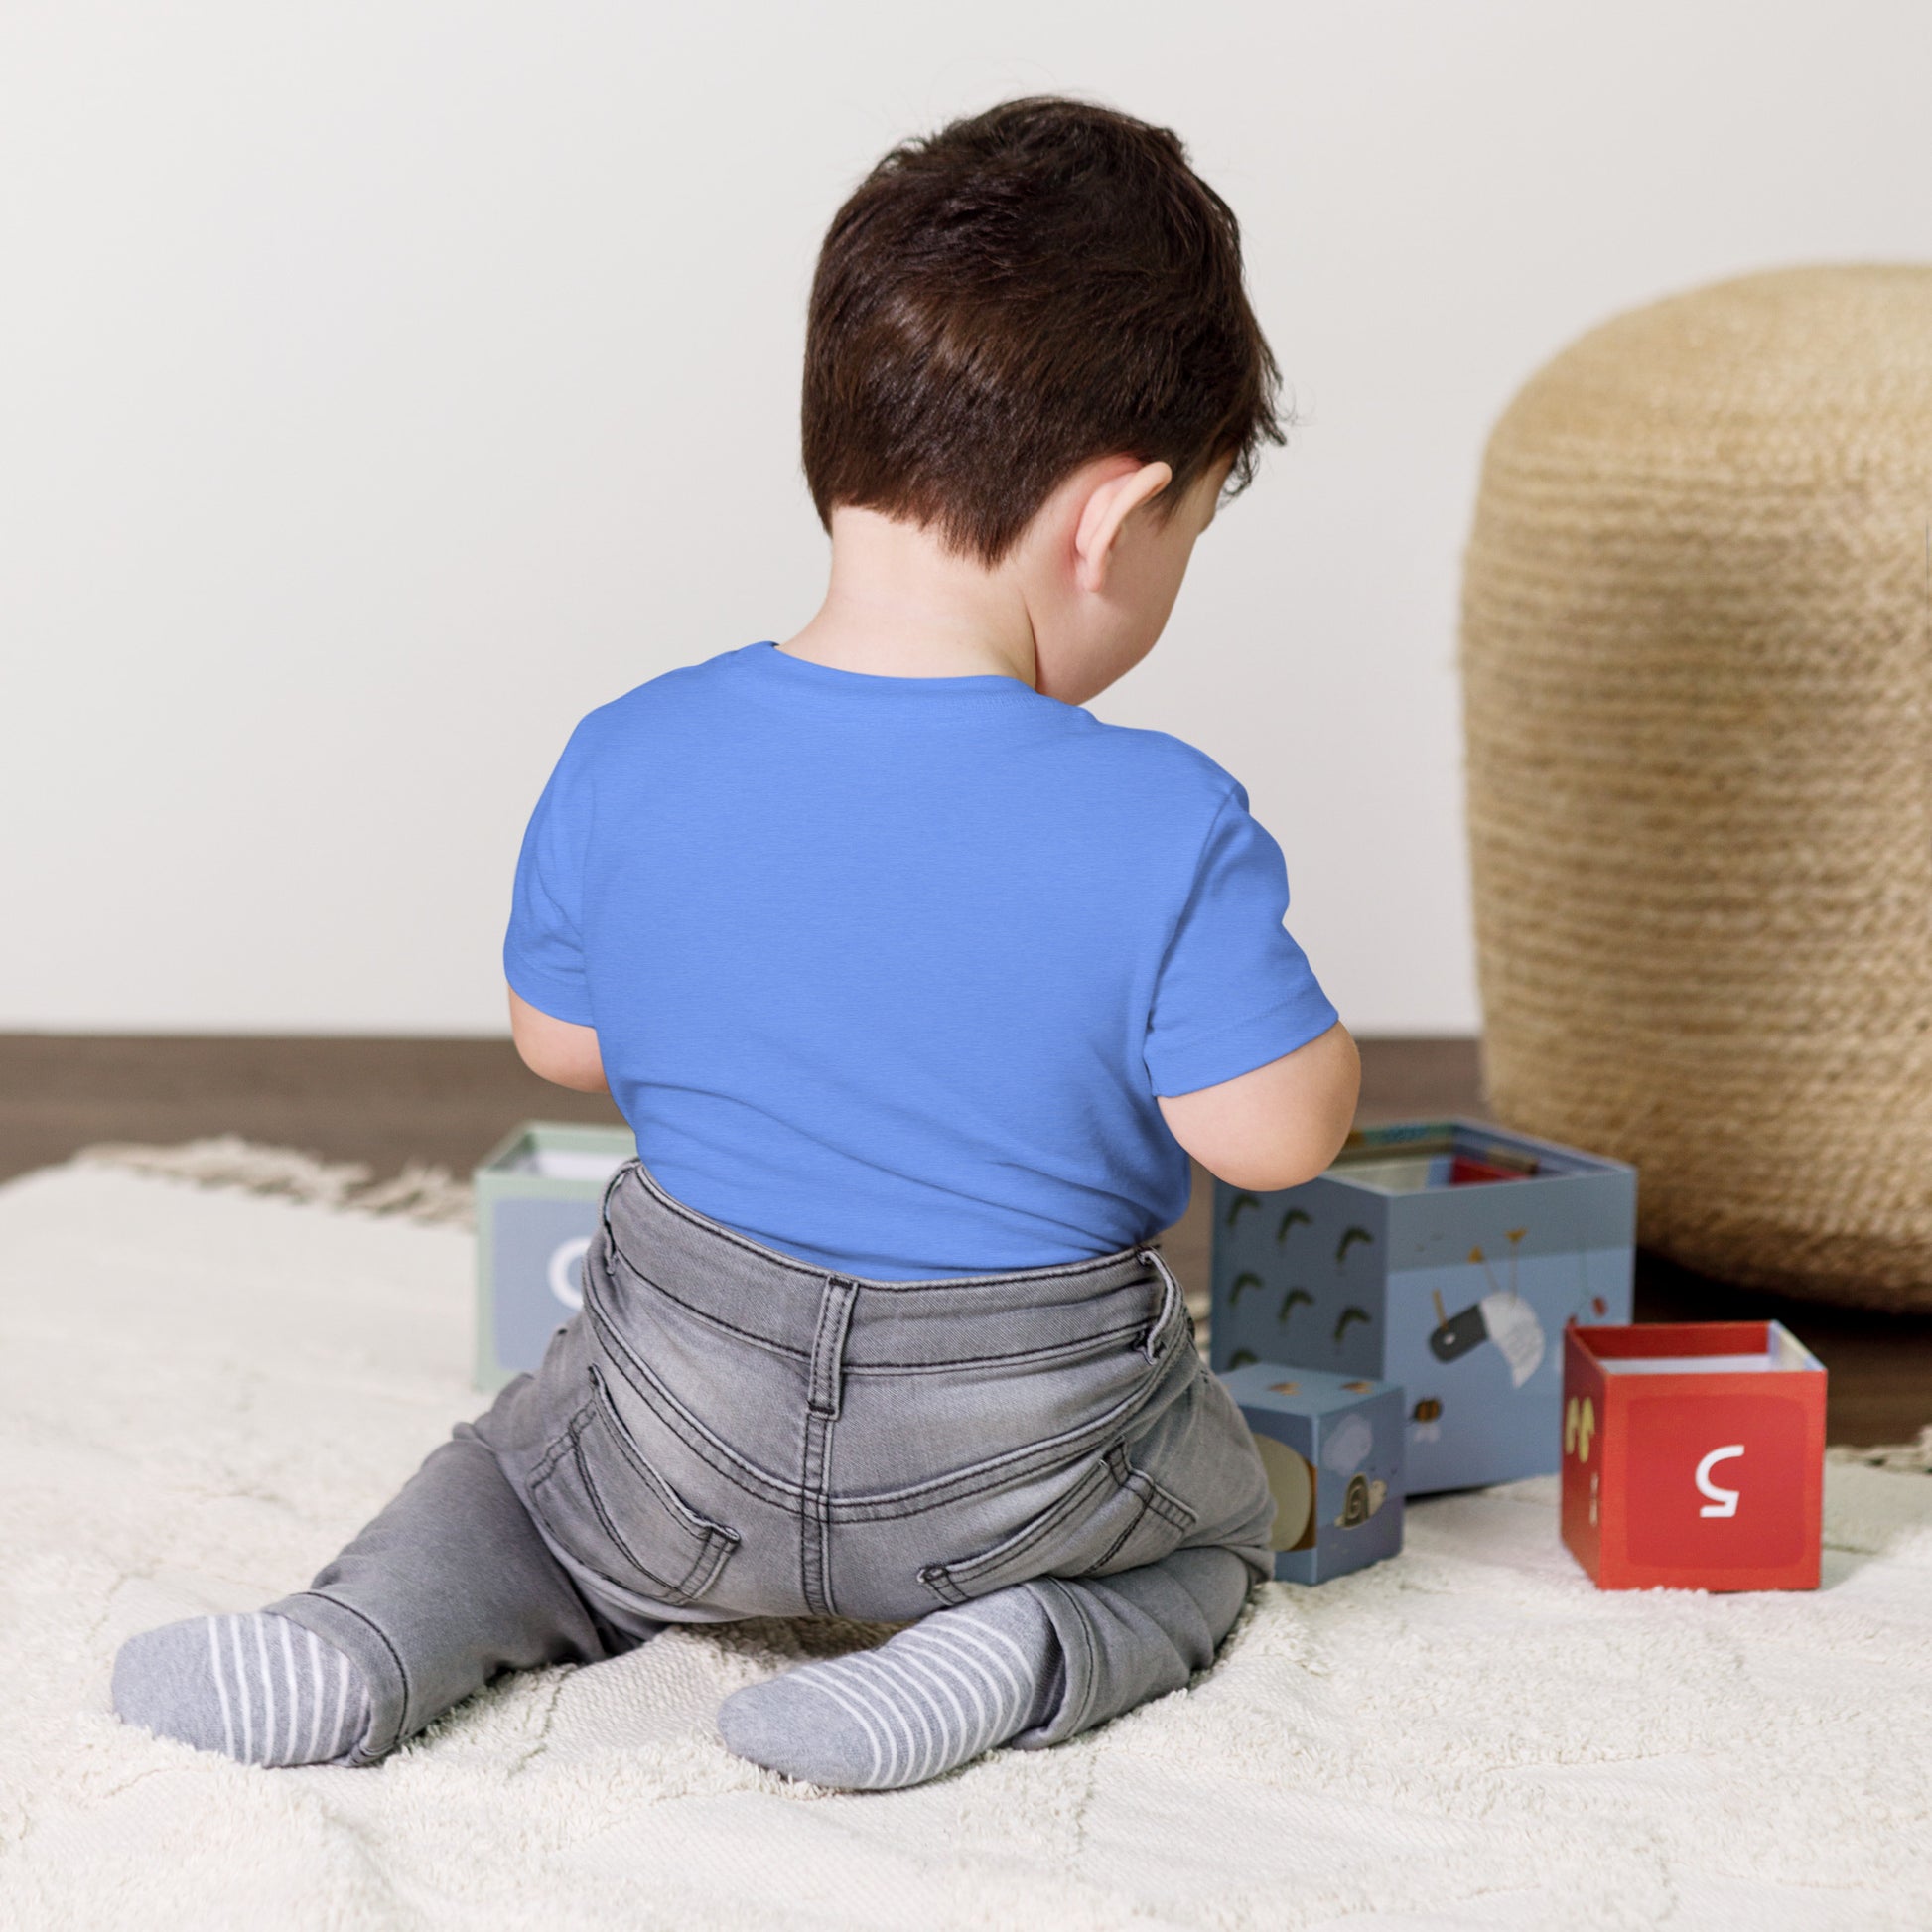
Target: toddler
{"type": "Point", "coordinates": [917, 985]}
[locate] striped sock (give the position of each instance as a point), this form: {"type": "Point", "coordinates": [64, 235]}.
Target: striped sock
{"type": "Point", "coordinates": [954, 1684]}
{"type": "Point", "coordinates": [259, 1687]}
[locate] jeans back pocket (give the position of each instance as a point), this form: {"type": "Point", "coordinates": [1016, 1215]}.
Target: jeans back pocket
{"type": "Point", "coordinates": [1112, 1517]}
{"type": "Point", "coordinates": [612, 1512]}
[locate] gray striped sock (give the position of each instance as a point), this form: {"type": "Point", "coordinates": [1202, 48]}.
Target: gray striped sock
{"type": "Point", "coordinates": [954, 1684]}
{"type": "Point", "coordinates": [258, 1687]}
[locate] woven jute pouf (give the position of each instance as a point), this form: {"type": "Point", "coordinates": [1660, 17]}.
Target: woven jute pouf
{"type": "Point", "coordinates": [1697, 656]}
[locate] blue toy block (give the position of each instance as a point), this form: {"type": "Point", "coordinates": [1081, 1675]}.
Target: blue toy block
{"type": "Point", "coordinates": [539, 1192]}
{"type": "Point", "coordinates": [1445, 1256]}
{"type": "Point", "coordinates": [1332, 1449]}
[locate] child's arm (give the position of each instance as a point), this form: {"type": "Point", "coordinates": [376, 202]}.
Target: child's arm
{"type": "Point", "coordinates": [1278, 1126]}
{"type": "Point", "coordinates": [555, 1049]}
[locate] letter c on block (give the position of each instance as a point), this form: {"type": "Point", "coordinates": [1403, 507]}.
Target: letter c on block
{"type": "Point", "coordinates": [1723, 1502]}
{"type": "Point", "coordinates": [568, 1288]}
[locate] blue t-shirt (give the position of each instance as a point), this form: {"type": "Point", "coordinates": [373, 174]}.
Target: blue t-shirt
{"type": "Point", "coordinates": [887, 972]}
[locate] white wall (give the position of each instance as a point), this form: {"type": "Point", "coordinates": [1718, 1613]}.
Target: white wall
{"type": "Point", "coordinates": [383, 386]}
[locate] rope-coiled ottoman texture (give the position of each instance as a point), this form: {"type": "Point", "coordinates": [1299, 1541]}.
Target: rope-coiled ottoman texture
{"type": "Point", "coordinates": [1697, 656]}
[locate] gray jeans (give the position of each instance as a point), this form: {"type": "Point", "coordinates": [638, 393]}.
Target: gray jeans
{"type": "Point", "coordinates": [727, 1432]}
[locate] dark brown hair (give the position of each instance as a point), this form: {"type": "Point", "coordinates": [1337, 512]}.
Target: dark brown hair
{"type": "Point", "coordinates": [1024, 291]}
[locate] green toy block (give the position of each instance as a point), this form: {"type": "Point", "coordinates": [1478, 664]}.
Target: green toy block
{"type": "Point", "coordinates": [539, 1193]}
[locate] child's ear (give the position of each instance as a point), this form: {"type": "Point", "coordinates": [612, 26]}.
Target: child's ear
{"type": "Point", "coordinates": [1105, 513]}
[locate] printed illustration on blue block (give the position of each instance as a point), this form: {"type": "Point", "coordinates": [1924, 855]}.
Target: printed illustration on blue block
{"type": "Point", "coordinates": [1443, 1256]}
{"type": "Point", "coordinates": [1332, 1447]}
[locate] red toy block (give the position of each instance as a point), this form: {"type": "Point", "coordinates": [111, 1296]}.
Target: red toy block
{"type": "Point", "coordinates": [1692, 1455]}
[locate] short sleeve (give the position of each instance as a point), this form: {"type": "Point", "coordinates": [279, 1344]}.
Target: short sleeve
{"type": "Point", "coordinates": [1234, 991]}
{"type": "Point", "coordinates": [543, 950]}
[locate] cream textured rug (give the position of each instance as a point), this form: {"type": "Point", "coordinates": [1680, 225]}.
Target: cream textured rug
{"type": "Point", "coordinates": [204, 1391]}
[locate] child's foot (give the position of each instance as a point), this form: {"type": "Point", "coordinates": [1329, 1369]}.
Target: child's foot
{"type": "Point", "coordinates": [954, 1684]}
{"type": "Point", "coordinates": [260, 1688]}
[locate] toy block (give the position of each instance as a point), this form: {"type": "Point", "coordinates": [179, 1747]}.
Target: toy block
{"type": "Point", "coordinates": [1332, 1449]}
{"type": "Point", "coordinates": [1694, 1456]}
{"type": "Point", "coordinates": [1444, 1255]}
{"type": "Point", "coordinates": [539, 1197]}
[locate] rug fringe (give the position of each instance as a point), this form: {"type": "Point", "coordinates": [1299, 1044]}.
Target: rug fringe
{"type": "Point", "coordinates": [421, 1193]}
{"type": "Point", "coordinates": [1910, 1458]}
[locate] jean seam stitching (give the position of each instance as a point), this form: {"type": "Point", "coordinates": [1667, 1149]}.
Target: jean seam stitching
{"type": "Point", "coordinates": [673, 1593]}
{"type": "Point", "coordinates": [1029, 1535]}
{"type": "Point", "coordinates": [707, 1535]}
{"type": "Point", "coordinates": [1049, 1351]}
{"type": "Point", "coordinates": [672, 1413]}
{"type": "Point", "coordinates": [1014, 1468]}
{"type": "Point", "coordinates": [821, 1419]}
{"type": "Point", "coordinates": [704, 1314]}
{"type": "Point", "coordinates": [1099, 1343]}
{"type": "Point", "coordinates": [1139, 1517]}
{"type": "Point", "coordinates": [698, 1527]}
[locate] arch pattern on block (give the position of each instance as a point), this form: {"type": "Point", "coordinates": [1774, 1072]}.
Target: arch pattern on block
{"type": "Point", "coordinates": [1697, 657]}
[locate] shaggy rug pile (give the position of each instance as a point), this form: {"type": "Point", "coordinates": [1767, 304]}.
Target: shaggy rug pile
{"type": "Point", "coordinates": [204, 1391]}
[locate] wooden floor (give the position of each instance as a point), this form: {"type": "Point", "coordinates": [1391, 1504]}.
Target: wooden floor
{"type": "Point", "coordinates": [448, 1101]}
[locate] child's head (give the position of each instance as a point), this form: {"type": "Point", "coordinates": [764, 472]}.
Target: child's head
{"type": "Point", "coordinates": [996, 304]}
{"type": "Point", "coordinates": [1030, 300]}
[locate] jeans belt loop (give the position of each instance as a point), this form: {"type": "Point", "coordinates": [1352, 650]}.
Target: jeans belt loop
{"type": "Point", "coordinates": [1167, 1299]}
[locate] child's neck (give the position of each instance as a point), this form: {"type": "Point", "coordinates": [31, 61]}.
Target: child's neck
{"type": "Point", "coordinates": [900, 604]}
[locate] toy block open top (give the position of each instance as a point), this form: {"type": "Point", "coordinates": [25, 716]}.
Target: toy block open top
{"type": "Point", "coordinates": [1443, 1255]}
{"type": "Point", "coordinates": [1694, 1456]}
{"type": "Point", "coordinates": [1439, 1153]}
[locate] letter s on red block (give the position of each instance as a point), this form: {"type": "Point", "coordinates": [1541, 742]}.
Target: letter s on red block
{"type": "Point", "coordinates": [1715, 1481]}
{"type": "Point", "coordinates": [1723, 1502]}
